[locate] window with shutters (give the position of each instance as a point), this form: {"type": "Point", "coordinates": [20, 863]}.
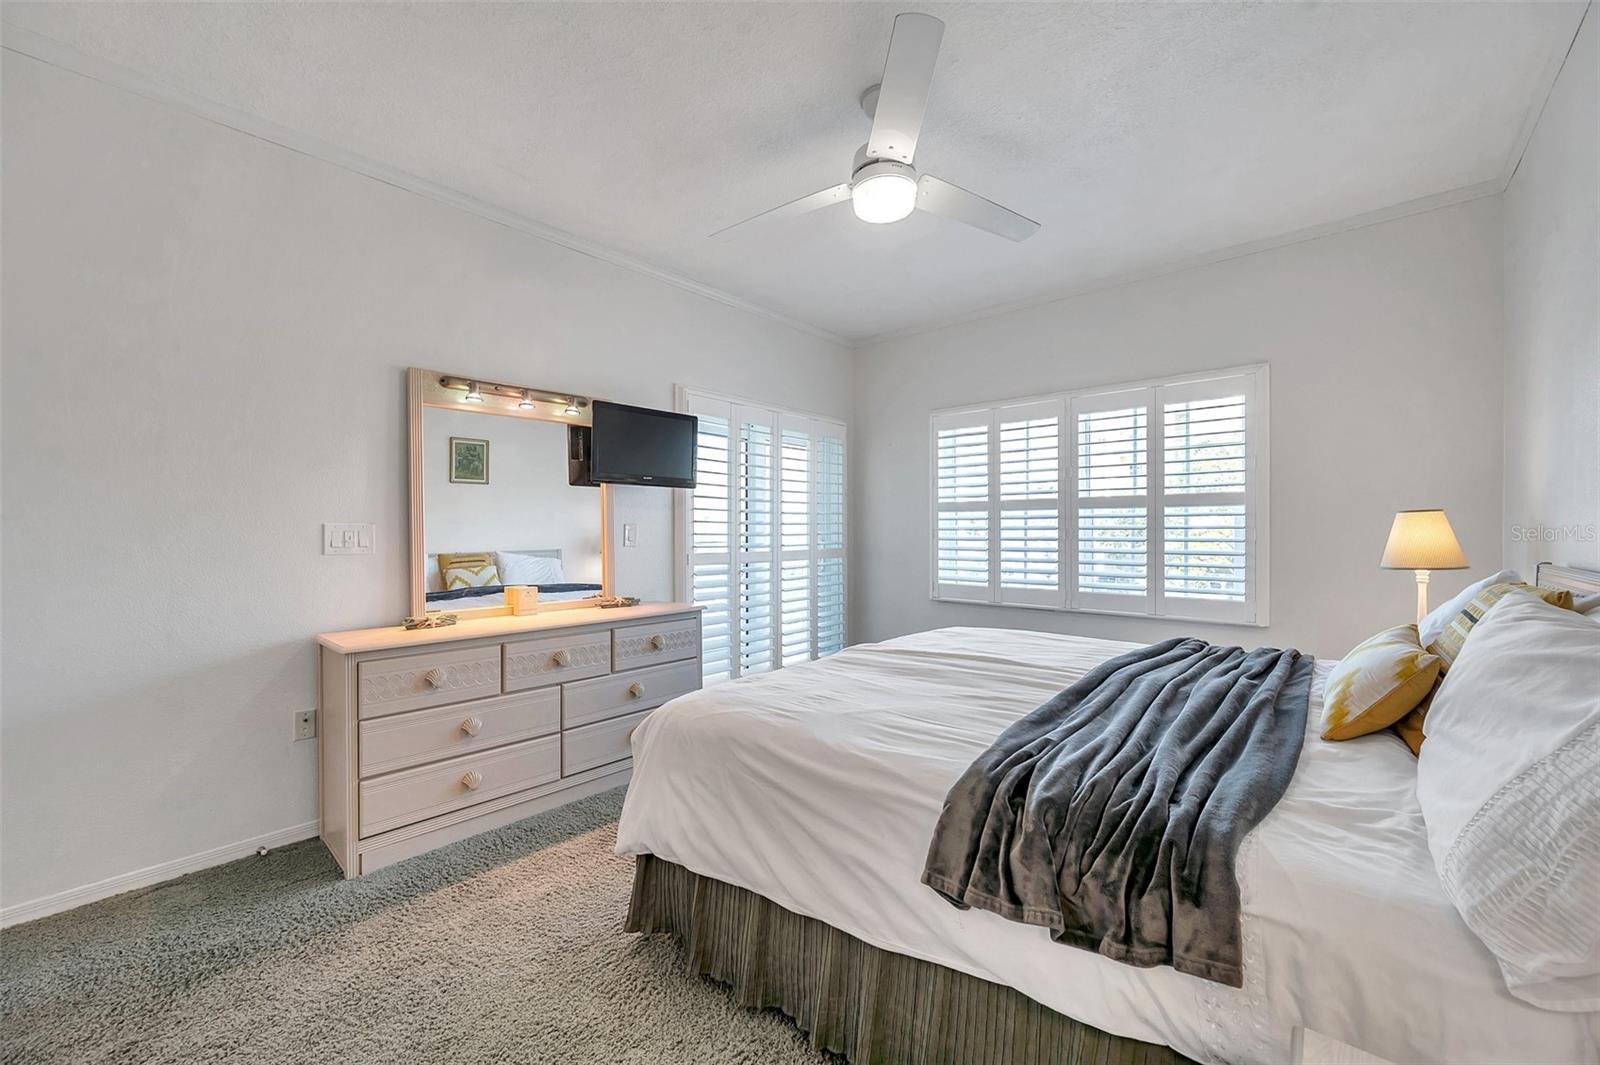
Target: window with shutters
{"type": "Point", "coordinates": [762, 535]}
{"type": "Point", "coordinates": [1144, 499]}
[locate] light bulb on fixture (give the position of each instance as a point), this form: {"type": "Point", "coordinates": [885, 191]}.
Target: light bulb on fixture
{"type": "Point", "coordinates": [474, 393]}
{"type": "Point", "coordinates": [572, 410]}
{"type": "Point", "coordinates": [527, 399]}
{"type": "Point", "coordinates": [884, 192]}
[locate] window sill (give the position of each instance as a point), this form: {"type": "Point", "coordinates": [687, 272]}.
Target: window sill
{"type": "Point", "coordinates": [1260, 622]}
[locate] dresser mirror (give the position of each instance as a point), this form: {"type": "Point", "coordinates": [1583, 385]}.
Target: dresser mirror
{"type": "Point", "coordinates": [491, 506]}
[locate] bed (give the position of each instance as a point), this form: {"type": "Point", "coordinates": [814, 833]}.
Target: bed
{"type": "Point", "coordinates": [542, 568]}
{"type": "Point", "coordinates": [815, 788]}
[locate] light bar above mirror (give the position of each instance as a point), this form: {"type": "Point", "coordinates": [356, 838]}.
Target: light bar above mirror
{"type": "Point", "coordinates": [449, 390]}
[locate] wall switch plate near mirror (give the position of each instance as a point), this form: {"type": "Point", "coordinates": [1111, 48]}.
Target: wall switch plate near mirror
{"type": "Point", "coordinates": [348, 538]}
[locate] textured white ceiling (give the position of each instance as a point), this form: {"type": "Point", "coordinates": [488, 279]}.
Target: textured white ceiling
{"type": "Point", "coordinates": [1138, 134]}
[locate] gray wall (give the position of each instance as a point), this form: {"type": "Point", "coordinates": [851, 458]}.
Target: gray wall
{"type": "Point", "coordinates": [205, 338]}
{"type": "Point", "coordinates": [1552, 286]}
{"type": "Point", "coordinates": [1385, 351]}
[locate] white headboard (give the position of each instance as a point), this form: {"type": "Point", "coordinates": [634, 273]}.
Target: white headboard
{"type": "Point", "coordinates": [1580, 582]}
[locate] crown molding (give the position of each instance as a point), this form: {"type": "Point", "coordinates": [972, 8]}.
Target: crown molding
{"type": "Point", "coordinates": [1530, 121]}
{"type": "Point", "coordinates": [47, 50]}
{"type": "Point", "coordinates": [54, 53]}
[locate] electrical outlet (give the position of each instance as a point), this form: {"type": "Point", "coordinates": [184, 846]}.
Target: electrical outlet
{"type": "Point", "coordinates": [305, 724]}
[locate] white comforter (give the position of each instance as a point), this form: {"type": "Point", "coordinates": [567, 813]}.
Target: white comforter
{"type": "Point", "coordinates": [818, 787]}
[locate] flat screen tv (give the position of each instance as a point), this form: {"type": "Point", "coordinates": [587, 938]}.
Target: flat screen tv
{"type": "Point", "coordinates": [637, 445]}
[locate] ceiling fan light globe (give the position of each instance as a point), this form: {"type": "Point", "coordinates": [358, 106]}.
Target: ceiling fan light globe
{"type": "Point", "coordinates": [886, 196]}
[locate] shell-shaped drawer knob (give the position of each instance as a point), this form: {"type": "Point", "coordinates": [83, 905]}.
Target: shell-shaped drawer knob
{"type": "Point", "coordinates": [434, 677]}
{"type": "Point", "coordinates": [657, 642]}
{"type": "Point", "coordinates": [561, 658]}
{"type": "Point", "coordinates": [635, 690]}
{"type": "Point", "coordinates": [472, 725]}
{"type": "Point", "coordinates": [471, 779]}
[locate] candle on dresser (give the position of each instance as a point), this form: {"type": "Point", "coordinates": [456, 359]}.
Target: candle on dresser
{"type": "Point", "coordinates": [522, 598]}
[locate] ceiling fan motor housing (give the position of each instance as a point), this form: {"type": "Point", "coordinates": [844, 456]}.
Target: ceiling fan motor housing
{"type": "Point", "coordinates": [883, 190]}
{"type": "Point", "coordinates": [872, 168]}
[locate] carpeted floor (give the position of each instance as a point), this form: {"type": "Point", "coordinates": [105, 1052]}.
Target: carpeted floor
{"type": "Point", "coordinates": [504, 948]}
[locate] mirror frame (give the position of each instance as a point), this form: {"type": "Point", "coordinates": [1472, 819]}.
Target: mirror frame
{"type": "Point", "coordinates": [426, 388]}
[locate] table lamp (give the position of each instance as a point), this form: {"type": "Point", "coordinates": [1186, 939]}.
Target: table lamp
{"type": "Point", "coordinates": [1422, 540]}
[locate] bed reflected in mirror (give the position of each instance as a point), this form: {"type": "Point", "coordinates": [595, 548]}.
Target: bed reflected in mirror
{"type": "Point", "coordinates": [497, 510]}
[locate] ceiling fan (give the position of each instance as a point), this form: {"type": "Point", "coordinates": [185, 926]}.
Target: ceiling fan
{"type": "Point", "coordinates": [884, 186]}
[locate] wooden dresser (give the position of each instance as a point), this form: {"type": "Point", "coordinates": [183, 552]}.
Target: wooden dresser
{"type": "Point", "coordinates": [434, 735]}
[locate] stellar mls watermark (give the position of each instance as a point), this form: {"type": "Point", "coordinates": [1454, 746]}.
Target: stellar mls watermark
{"type": "Point", "coordinates": [1574, 533]}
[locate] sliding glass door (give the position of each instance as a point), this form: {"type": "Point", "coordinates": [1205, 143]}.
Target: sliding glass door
{"type": "Point", "coordinates": [762, 537]}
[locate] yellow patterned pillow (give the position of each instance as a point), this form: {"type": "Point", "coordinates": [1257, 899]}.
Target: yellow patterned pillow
{"type": "Point", "coordinates": [1377, 684]}
{"type": "Point", "coordinates": [476, 570]}
{"type": "Point", "coordinates": [1448, 645]}
{"type": "Point", "coordinates": [1409, 728]}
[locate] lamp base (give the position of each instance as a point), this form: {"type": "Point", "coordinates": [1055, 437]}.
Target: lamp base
{"type": "Point", "coordinates": [1422, 594]}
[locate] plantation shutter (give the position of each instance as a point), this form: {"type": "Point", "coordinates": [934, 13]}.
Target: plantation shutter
{"type": "Point", "coordinates": [1207, 502]}
{"type": "Point", "coordinates": [794, 495]}
{"type": "Point", "coordinates": [828, 503]}
{"type": "Point", "coordinates": [764, 536]}
{"type": "Point", "coordinates": [1027, 441]}
{"type": "Point", "coordinates": [756, 537]}
{"type": "Point", "coordinates": [710, 556]}
{"type": "Point", "coordinates": [1145, 499]}
{"type": "Point", "coordinates": [965, 469]}
{"type": "Point", "coordinates": [1111, 501]}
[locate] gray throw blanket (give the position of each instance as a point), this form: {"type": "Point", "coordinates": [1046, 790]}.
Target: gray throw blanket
{"type": "Point", "coordinates": [1112, 814]}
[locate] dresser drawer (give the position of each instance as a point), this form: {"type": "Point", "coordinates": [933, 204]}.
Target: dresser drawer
{"type": "Point", "coordinates": [589, 701]}
{"type": "Point", "coordinates": [553, 659]}
{"type": "Point", "coordinates": [597, 745]}
{"type": "Point", "coordinates": [402, 740]}
{"type": "Point", "coordinates": [415, 794]}
{"type": "Point", "coordinates": [652, 644]}
{"type": "Point", "coordinates": [391, 685]}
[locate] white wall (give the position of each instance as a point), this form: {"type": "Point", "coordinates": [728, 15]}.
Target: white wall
{"type": "Point", "coordinates": [1552, 288]}
{"type": "Point", "coordinates": [1385, 352]}
{"type": "Point", "coordinates": [204, 340]}
{"type": "Point", "coordinates": [527, 504]}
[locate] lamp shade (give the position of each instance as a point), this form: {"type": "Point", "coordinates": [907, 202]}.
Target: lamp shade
{"type": "Point", "coordinates": [1422, 539]}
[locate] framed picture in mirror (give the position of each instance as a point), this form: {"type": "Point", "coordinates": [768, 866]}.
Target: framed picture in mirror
{"type": "Point", "coordinates": [469, 460]}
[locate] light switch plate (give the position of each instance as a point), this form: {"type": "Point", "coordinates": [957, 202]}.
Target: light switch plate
{"type": "Point", "coordinates": [630, 534]}
{"type": "Point", "coordinates": [348, 538]}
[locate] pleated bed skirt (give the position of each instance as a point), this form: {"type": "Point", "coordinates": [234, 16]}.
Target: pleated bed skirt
{"type": "Point", "coordinates": [872, 1006]}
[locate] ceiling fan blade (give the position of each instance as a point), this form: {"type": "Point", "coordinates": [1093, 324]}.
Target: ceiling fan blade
{"type": "Point", "coordinates": [804, 205]}
{"type": "Point", "coordinates": [952, 201]}
{"type": "Point", "coordinates": [907, 77]}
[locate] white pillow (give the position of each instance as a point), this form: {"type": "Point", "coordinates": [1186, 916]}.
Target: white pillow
{"type": "Point", "coordinates": [432, 579]}
{"type": "Point", "coordinates": [1431, 627]}
{"type": "Point", "coordinates": [519, 568]}
{"type": "Point", "coordinates": [1509, 785]}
